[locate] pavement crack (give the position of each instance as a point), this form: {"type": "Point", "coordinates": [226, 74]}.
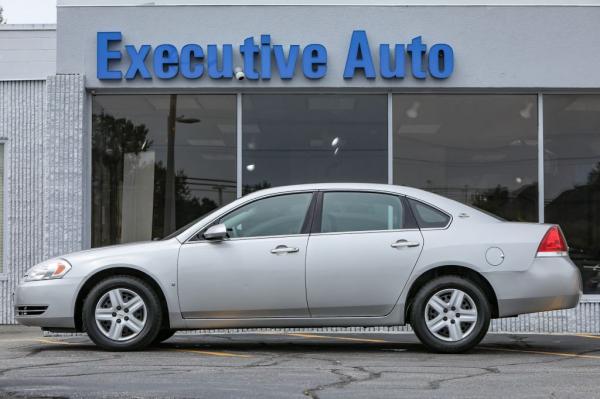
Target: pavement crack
{"type": "Point", "coordinates": [343, 381]}
{"type": "Point", "coordinates": [35, 366]}
{"type": "Point", "coordinates": [436, 384]}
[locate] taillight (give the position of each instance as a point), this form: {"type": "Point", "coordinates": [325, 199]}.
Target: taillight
{"type": "Point", "coordinates": [553, 243]}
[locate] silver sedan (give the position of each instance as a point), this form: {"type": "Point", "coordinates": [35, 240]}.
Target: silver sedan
{"type": "Point", "coordinates": [311, 256]}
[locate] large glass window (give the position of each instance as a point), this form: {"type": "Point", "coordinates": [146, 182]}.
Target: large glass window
{"type": "Point", "coordinates": [572, 178]}
{"type": "Point", "coordinates": [158, 162]}
{"type": "Point", "coordinates": [477, 149]}
{"type": "Point", "coordinates": [308, 138]}
{"type": "Point", "coordinates": [274, 216]}
{"type": "Point", "coordinates": [357, 211]}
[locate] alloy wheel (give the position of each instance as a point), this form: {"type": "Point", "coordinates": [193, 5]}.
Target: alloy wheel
{"type": "Point", "coordinates": [121, 314]}
{"type": "Point", "coordinates": [451, 315]}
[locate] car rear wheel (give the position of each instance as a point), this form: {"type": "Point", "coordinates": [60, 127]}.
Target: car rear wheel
{"type": "Point", "coordinates": [450, 314]}
{"type": "Point", "coordinates": [122, 313]}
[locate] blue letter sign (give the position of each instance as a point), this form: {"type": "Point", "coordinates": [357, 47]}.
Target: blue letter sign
{"type": "Point", "coordinates": [104, 55]}
{"type": "Point", "coordinates": [264, 60]}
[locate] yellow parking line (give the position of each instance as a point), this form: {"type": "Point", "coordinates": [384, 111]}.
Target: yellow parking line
{"type": "Point", "coordinates": [49, 341]}
{"type": "Point", "coordinates": [211, 353]}
{"type": "Point", "coordinates": [338, 338]}
{"type": "Point", "coordinates": [588, 336]}
{"type": "Point", "coordinates": [563, 354]}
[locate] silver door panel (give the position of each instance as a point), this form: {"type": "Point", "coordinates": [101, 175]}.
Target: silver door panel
{"type": "Point", "coordinates": [241, 278]}
{"type": "Point", "coordinates": [360, 273]}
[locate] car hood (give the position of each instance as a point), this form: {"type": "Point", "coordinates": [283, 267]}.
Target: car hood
{"type": "Point", "coordinates": [118, 253]}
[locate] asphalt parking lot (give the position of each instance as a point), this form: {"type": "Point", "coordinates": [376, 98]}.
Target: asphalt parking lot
{"type": "Point", "coordinates": [299, 365]}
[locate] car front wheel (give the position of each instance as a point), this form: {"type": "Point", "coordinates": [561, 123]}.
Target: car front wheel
{"type": "Point", "coordinates": [450, 314]}
{"type": "Point", "coordinates": [122, 313]}
{"type": "Point", "coordinates": [163, 335]}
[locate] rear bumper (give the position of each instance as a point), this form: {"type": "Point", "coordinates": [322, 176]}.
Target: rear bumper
{"type": "Point", "coordinates": [550, 283]}
{"type": "Point", "coordinates": [57, 295]}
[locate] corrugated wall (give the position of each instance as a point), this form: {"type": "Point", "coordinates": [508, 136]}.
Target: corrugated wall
{"type": "Point", "coordinates": [63, 166]}
{"type": "Point", "coordinates": [22, 112]}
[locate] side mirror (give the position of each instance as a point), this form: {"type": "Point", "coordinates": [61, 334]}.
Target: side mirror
{"type": "Point", "coordinates": [216, 232]}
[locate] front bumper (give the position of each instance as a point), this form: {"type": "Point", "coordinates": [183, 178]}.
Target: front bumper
{"type": "Point", "coordinates": [58, 295]}
{"type": "Point", "coordinates": [550, 283]}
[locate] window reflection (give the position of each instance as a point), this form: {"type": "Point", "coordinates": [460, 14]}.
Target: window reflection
{"type": "Point", "coordinates": [308, 138]}
{"type": "Point", "coordinates": [477, 149]}
{"type": "Point", "coordinates": [159, 162]}
{"type": "Point", "coordinates": [572, 178]}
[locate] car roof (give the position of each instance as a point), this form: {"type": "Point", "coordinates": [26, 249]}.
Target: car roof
{"type": "Point", "coordinates": [446, 204]}
{"type": "Point", "coordinates": [409, 191]}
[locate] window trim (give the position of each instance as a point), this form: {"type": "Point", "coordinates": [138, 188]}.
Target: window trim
{"type": "Point", "coordinates": [316, 226]}
{"type": "Point", "coordinates": [309, 215]}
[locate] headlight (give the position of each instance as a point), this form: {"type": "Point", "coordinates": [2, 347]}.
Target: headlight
{"type": "Point", "coordinates": [48, 270]}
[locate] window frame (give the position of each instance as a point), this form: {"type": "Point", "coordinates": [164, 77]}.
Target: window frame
{"type": "Point", "coordinates": [318, 213]}
{"type": "Point", "coordinates": [306, 224]}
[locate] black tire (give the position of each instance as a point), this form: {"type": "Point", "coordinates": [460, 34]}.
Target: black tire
{"type": "Point", "coordinates": [418, 317]}
{"type": "Point", "coordinates": [163, 335]}
{"type": "Point", "coordinates": [154, 314]}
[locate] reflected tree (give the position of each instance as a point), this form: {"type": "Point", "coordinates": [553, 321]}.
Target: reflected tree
{"type": "Point", "coordinates": [577, 210]}
{"type": "Point", "coordinates": [112, 138]}
{"type": "Point", "coordinates": [188, 206]}
{"type": "Point", "coordinates": [594, 175]}
{"type": "Point", "coordinates": [249, 188]}
{"type": "Point", "coordinates": [518, 205]}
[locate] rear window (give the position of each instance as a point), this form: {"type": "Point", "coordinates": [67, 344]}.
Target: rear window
{"type": "Point", "coordinates": [427, 216]}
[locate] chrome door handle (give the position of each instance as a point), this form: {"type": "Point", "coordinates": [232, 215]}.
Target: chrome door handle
{"type": "Point", "coordinates": [284, 249]}
{"type": "Point", "coordinates": [405, 244]}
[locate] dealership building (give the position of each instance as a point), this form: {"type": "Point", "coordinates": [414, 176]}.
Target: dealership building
{"type": "Point", "coordinates": [127, 120]}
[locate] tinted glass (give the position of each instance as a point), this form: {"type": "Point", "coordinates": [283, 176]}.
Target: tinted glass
{"type": "Point", "coordinates": [477, 149]}
{"type": "Point", "coordinates": [159, 162]}
{"type": "Point", "coordinates": [428, 217]}
{"type": "Point", "coordinates": [572, 178]}
{"type": "Point", "coordinates": [347, 211]}
{"type": "Point", "coordinates": [308, 138]}
{"type": "Point", "coordinates": [274, 216]}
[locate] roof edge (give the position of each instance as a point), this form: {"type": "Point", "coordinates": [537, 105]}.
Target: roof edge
{"type": "Point", "coordinates": [366, 3]}
{"type": "Point", "coordinates": [27, 27]}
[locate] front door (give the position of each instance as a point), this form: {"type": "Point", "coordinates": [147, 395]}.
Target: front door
{"type": "Point", "coordinates": [361, 255]}
{"type": "Point", "coordinates": [258, 272]}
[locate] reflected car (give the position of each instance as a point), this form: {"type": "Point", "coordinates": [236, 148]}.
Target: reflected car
{"type": "Point", "coordinates": [310, 256]}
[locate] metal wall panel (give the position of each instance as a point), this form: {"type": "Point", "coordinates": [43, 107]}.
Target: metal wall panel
{"type": "Point", "coordinates": [22, 113]}
{"type": "Point", "coordinates": [63, 166]}
{"type": "Point", "coordinates": [27, 52]}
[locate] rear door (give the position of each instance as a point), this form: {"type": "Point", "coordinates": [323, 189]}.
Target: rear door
{"type": "Point", "coordinates": [362, 250]}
